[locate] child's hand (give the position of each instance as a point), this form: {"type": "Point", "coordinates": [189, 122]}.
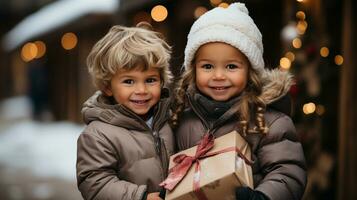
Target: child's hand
{"type": "Point", "coordinates": [246, 193]}
{"type": "Point", "coordinates": [153, 196]}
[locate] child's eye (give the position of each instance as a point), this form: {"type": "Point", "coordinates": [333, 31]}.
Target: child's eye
{"type": "Point", "coordinates": [207, 66]}
{"type": "Point", "coordinates": [151, 80]}
{"type": "Point", "coordinates": [232, 67]}
{"type": "Point", "coordinates": [128, 81]}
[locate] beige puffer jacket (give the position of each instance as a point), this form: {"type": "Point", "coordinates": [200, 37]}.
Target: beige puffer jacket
{"type": "Point", "coordinates": [118, 155]}
{"type": "Point", "coordinates": [279, 167]}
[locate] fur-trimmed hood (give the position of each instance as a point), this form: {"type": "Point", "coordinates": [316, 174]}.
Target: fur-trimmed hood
{"type": "Point", "coordinates": [276, 84]}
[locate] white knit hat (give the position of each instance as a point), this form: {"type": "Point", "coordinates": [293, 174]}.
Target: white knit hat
{"type": "Point", "coordinates": [231, 25]}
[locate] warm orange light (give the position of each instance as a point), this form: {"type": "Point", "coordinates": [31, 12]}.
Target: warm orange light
{"type": "Point", "coordinates": [215, 2]}
{"type": "Point", "coordinates": [300, 1]}
{"type": "Point", "coordinates": [159, 13]}
{"type": "Point", "coordinates": [309, 108]}
{"type": "Point", "coordinates": [223, 5]}
{"type": "Point", "coordinates": [69, 41]}
{"type": "Point", "coordinates": [199, 11]}
{"type": "Point", "coordinates": [300, 15]}
{"type": "Point", "coordinates": [338, 60]}
{"type": "Point", "coordinates": [285, 63]}
{"type": "Point", "coordinates": [290, 55]}
{"type": "Point", "coordinates": [29, 51]}
{"type": "Point", "coordinates": [324, 52]}
{"type": "Point", "coordinates": [301, 27]}
{"type": "Point", "coordinates": [41, 47]}
{"type": "Point", "coordinates": [297, 43]}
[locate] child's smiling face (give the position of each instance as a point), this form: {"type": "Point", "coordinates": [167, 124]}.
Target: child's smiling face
{"type": "Point", "coordinates": [137, 89]}
{"type": "Point", "coordinates": [221, 71]}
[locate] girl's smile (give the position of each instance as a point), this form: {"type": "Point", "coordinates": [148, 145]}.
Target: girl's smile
{"type": "Point", "coordinates": [221, 71]}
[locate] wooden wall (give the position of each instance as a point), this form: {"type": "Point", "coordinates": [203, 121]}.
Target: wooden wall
{"type": "Point", "coordinates": [347, 174]}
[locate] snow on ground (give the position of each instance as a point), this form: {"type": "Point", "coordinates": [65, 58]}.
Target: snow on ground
{"type": "Point", "coordinates": [45, 149]}
{"type": "Point", "coordinates": [37, 159]}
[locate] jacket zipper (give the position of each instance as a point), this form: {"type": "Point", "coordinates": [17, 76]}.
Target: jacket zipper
{"type": "Point", "coordinates": [157, 124]}
{"type": "Point", "coordinates": [160, 144]}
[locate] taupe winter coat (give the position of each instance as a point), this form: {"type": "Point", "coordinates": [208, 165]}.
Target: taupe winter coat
{"type": "Point", "coordinates": [279, 168]}
{"type": "Point", "coordinates": [119, 156]}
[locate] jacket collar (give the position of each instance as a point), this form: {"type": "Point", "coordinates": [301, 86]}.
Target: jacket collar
{"type": "Point", "coordinates": [276, 85]}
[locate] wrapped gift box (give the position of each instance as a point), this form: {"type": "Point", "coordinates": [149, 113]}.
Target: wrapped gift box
{"type": "Point", "coordinates": [219, 174]}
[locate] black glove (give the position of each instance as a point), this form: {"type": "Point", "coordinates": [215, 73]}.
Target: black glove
{"type": "Point", "coordinates": [246, 193]}
{"type": "Point", "coordinates": [162, 193]}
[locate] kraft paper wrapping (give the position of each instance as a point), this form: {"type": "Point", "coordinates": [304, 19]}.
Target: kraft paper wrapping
{"type": "Point", "coordinates": [220, 174]}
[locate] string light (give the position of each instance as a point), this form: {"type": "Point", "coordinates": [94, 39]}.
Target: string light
{"type": "Point", "coordinates": [290, 55]}
{"type": "Point", "coordinates": [309, 108]}
{"type": "Point", "coordinates": [41, 48]}
{"type": "Point", "coordinates": [215, 2]}
{"type": "Point", "coordinates": [297, 43]}
{"type": "Point", "coordinates": [29, 51]}
{"type": "Point", "coordinates": [285, 63]}
{"type": "Point", "coordinates": [338, 60]}
{"type": "Point", "coordinates": [69, 41]}
{"type": "Point", "coordinates": [324, 52]}
{"type": "Point", "coordinates": [223, 5]}
{"type": "Point", "coordinates": [159, 13]}
{"type": "Point", "coordinates": [301, 27]}
{"type": "Point", "coordinates": [300, 15]}
{"type": "Point", "coordinates": [199, 11]}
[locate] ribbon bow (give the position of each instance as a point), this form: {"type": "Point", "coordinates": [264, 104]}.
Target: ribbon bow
{"type": "Point", "coordinates": [184, 162]}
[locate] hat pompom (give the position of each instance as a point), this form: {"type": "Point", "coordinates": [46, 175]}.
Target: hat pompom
{"type": "Point", "coordinates": [240, 6]}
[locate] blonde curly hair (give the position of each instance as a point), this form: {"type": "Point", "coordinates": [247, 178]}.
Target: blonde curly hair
{"type": "Point", "coordinates": [124, 48]}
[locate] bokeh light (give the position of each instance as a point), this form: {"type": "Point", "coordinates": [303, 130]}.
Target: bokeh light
{"type": "Point", "coordinates": [285, 63]}
{"type": "Point", "coordinates": [338, 60]}
{"type": "Point", "coordinates": [69, 41]}
{"type": "Point", "coordinates": [29, 51]}
{"type": "Point", "coordinates": [290, 55]}
{"type": "Point", "coordinates": [297, 43]}
{"type": "Point", "coordinates": [324, 52]}
{"type": "Point", "coordinates": [199, 11]}
{"type": "Point", "coordinates": [215, 2]}
{"type": "Point", "coordinates": [300, 15]}
{"type": "Point", "coordinates": [41, 48]}
{"type": "Point", "coordinates": [301, 27]}
{"type": "Point", "coordinates": [223, 5]}
{"type": "Point", "coordinates": [159, 13]}
{"type": "Point", "coordinates": [309, 108]}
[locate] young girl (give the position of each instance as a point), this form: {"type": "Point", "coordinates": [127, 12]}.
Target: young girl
{"type": "Point", "coordinates": [225, 88]}
{"type": "Point", "coordinates": [123, 151]}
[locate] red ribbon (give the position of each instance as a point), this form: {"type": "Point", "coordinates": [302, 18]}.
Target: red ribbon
{"type": "Point", "coordinates": [184, 163]}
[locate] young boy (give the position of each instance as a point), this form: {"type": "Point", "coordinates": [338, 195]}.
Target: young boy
{"type": "Point", "coordinates": [123, 152]}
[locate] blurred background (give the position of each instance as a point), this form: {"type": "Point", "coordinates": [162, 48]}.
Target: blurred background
{"type": "Point", "coordinates": [44, 81]}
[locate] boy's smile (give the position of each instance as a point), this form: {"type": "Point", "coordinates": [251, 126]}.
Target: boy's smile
{"type": "Point", "coordinates": [136, 89]}
{"type": "Point", "coordinates": [221, 71]}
